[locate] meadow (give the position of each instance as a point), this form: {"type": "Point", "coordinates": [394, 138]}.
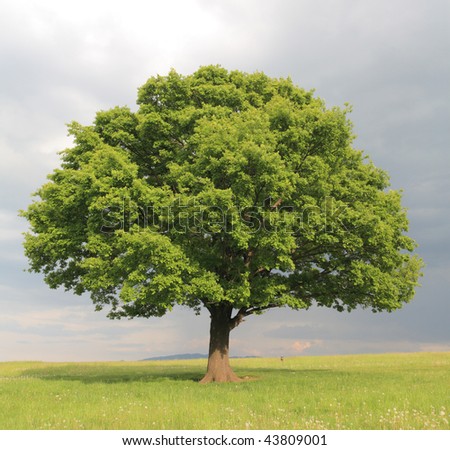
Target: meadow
{"type": "Point", "coordinates": [392, 391]}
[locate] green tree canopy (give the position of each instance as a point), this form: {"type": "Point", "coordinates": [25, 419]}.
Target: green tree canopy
{"type": "Point", "coordinates": [228, 191]}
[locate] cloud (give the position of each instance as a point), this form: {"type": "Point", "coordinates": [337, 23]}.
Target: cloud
{"type": "Point", "coordinates": [301, 346]}
{"type": "Point", "coordinates": [59, 326]}
{"type": "Point", "coordinates": [435, 347]}
{"type": "Point", "coordinates": [381, 328]}
{"type": "Point", "coordinates": [9, 232]}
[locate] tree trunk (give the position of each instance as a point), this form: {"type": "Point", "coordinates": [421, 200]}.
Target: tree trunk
{"type": "Point", "coordinates": [219, 369]}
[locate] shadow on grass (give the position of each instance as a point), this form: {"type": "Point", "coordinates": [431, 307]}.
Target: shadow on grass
{"type": "Point", "coordinates": [110, 374]}
{"type": "Point", "coordinates": [90, 374]}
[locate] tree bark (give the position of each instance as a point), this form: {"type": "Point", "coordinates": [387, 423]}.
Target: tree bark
{"type": "Point", "coordinates": [219, 369]}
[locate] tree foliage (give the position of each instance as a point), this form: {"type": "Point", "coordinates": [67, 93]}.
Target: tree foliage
{"type": "Point", "coordinates": [223, 188]}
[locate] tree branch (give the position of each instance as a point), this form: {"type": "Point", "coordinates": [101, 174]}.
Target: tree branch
{"type": "Point", "coordinates": [244, 312]}
{"type": "Point", "coordinates": [238, 318]}
{"type": "Point", "coordinates": [265, 270]}
{"type": "Point", "coordinates": [276, 204]}
{"type": "Point", "coordinates": [248, 257]}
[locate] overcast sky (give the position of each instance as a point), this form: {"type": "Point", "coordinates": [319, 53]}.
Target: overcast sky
{"type": "Point", "coordinates": [65, 60]}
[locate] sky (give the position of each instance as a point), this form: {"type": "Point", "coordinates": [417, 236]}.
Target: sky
{"type": "Point", "coordinates": [65, 60]}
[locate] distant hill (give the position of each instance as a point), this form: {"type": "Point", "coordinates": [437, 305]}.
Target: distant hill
{"type": "Point", "coordinates": [186, 356]}
{"type": "Point", "coordinates": [173, 357]}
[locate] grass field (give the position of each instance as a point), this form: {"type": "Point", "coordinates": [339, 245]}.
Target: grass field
{"type": "Point", "coordinates": [396, 391]}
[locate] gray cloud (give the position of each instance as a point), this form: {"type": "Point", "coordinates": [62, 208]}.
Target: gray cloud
{"type": "Point", "coordinates": [363, 328]}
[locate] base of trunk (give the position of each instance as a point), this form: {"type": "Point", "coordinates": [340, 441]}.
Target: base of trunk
{"type": "Point", "coordinates": [221, 377]}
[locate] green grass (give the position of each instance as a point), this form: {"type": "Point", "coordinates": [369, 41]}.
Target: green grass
{"type": "Point", "coordinates": [396, 391]}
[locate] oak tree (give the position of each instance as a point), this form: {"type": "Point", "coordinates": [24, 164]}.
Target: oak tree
{"type": "Point", "coordinates": [224, 190]}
